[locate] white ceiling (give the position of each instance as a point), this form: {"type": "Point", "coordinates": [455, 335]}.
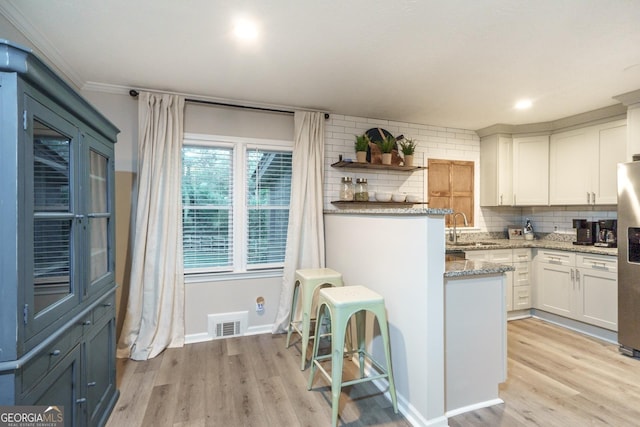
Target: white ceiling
{"type": "Point", "coordinates": [456, 63]}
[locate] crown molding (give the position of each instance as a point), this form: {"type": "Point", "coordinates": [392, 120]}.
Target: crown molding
{"type": "Point", "coordinates": [40, 42]}
{"type": "Point", "coordinates": [600, 115]}
{"type": "Point", "coordinates": [629, 98]}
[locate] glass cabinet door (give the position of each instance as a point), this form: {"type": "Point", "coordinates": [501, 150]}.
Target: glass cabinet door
{"type": "Point", "coordinates": [52, 216]}
{"type": "Point", "coordinates": [99, 203]}
{"type": "Point", "coordinates": [54, 238]}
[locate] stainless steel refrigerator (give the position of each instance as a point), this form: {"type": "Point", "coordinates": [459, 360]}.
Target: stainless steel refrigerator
{"type": "Point", "coordinates": [629, 258]}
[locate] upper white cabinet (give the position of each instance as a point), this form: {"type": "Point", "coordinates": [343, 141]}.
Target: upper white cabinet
{"type": "Point", "coordinates": [531, 170]}
{"type": "Point", "coordinates": [582, 164]}
{"type": "Point", "coordinates": [612, 149]}
{"type": "Point", "coordinates": [496, 174]}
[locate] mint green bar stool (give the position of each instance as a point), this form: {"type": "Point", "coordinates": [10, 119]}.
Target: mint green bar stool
{"type": "Point", "coordinates": [307, 281]}
{"type": "Point", "coordinates": [341, 304]}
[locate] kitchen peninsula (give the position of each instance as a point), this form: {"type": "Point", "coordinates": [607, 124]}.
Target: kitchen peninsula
{"type": "Point", "coordinates": [400, 253]}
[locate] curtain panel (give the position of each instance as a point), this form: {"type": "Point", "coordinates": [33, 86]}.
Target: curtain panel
{"type": "Point", "coordinates": [154, 318]}
{"type": "Point", "coordinates": [305, 233]}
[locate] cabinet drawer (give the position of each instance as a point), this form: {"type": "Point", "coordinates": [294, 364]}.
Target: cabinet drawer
{"type": "Point", "coordinates": [597, 262]}
{"type": "Point", "coordinates": [49, 357]}
{"type": "Point", "coordinates": [522, 274]}
{"type": "Point", "coordinates": [107, 306]}
{"type": "Point", "coordinates": [556, 257]}
{"type": "Point", "coordinates": [501, 256]}
{"type": "Point", "coordinates": [521, 297]}
{"type": "Point", "coordinates": [477, 255]}
{"type": "Point", "coordinates": [521, 255]}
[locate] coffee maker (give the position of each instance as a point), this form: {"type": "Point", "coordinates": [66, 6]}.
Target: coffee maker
{"type": "Point", "coordinates": [607, 233]}
{"type": "Point", "coordinates": [585, 232]}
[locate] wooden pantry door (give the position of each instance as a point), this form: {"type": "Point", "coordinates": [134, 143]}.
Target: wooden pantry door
{"type": "Point", "coordinates": [450, 186]}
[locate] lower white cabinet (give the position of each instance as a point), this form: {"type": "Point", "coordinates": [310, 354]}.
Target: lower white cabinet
{"type": "Point", "coordinates": [517, 282]}
{"type": "Point", "coordinates": [577, 286]}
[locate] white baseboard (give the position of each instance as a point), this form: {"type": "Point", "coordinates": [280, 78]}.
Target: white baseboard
{"type": "Point", "coordinates": [194, 338]}
{"type": "Point", "coordinates": [257, 330]}
{"type": "Point", "coordinates": [205, 336]}
{"type": "Point", "coordinates": [474, 407]}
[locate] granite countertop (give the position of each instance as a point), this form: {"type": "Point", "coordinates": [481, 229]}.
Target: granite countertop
{"type": "Point", "coordinates": [467, 267]}
{"type": "Point", "coordinates": [461, 267]}
{"type": "Point", "coordinates": [484, 244]}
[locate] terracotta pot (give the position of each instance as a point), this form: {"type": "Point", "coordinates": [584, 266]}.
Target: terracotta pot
{"type": "Point", "coordinates": [361, 156]}
{"type": "Point", "coordinates": [386, 158]}
{"type": "Point", "coordinates": [408, 159]}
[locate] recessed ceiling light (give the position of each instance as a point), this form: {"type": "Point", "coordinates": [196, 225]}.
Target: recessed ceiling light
{"type": "Point", "coordinates": [523, 104]}
{"type": "Point", "coordinates": [245, 29]}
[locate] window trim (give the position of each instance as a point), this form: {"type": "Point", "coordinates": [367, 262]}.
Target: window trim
{"type": "Point", "coordinates": [240, 146]}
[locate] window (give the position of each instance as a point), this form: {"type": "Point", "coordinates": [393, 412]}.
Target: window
{"type": "Point", "coordinates": [235, 204]}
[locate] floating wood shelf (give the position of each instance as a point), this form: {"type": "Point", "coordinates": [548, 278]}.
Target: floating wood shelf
{"type": "Point", "coordinates": [356, 165]}
{"type": "Point", "coordinates": [373, 203]}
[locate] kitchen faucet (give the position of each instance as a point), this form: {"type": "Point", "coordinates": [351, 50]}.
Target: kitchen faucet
{"type": "Point", "coordinates": [453, 234]}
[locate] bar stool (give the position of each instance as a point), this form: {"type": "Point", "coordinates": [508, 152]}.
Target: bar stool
{"type": "Point", "coordinates": [342, 303]}
{"type": "Point", "coordinates": [307, 280]}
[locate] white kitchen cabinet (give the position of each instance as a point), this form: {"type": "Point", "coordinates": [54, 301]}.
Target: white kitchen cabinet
{"type": "Point", "coordinates": [611, 151]}
{"type": "Point", "coordinates": [597, 283]}
{"type": "Point", "coordinates": [496, 172]}
{"type": "Point", "coordinates": [580, 287]}
{"type": "Point", "coordinates": [555, 282]}
{"type": "Point", "coordinates": [583, 162]}
{"type": "Point", "coordinates": [572, 164]}
{"type": "Point", "coordinates": [531, 170]}
{"type": "Point", "coordinates": [521, 279]}
{"type": "Point", "coordinates": [517, 282]}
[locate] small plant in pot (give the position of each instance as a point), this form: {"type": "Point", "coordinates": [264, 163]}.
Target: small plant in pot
{"type": "Point", "coordinates": [362, 145]}
{"type": "Point", "coordinates": [386, 147]}
{"type": "Point", "coordinates": [408, 147]}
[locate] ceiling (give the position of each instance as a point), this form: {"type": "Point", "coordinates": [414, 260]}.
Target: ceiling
{"type": "Point", "coordinates": [454, 63]}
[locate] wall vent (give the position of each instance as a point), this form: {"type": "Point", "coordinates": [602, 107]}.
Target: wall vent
{"type": "Point", "coordinates": [227, 325]}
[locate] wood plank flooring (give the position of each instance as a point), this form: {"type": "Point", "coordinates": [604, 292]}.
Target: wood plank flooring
{"type": "Point", "coordinates": [556, 377]}
{"type": "Point", "coordinates": [247, 381]}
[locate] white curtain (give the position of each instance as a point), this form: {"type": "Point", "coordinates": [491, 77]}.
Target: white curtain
{"type": "Point", "coordinates": [305, 234]}
{"type": "Point", "coordinates": [155, 311]}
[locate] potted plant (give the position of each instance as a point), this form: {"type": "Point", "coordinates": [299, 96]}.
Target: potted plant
{"type": "Point", "coordinates": [362, 145]}
{"type": "Point", "coordinates": [386, 147]}
{"type": "Point", "coordinates": [408, 147]}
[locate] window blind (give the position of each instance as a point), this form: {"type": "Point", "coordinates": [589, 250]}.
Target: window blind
{"type": "Point", "coordinates": [207, 207]}
{"type": "Point", "coordinates": [268, 193]}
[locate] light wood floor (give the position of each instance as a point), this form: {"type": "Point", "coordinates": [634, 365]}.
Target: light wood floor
{"type": "Point", "coordinates": [558, 378]}
{"type": "Point", "coordinates": [555, 378]}
{"type": "Point", "coordinates": [238, 382]}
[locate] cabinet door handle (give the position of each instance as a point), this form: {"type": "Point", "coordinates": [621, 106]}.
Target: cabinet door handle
{"type": "Point", "coordinates": [81, 400]}
{"type": "Point", "coordinates": [588, 198]}
{"type": "Point", "coordinates": [91, 384]}
{"type": "Point", "coordinates": [86, 323]}
{"type": "Point", "coordinates": [501, 200]}
{"type": "Point", "coordinates": [593, 196]}
{"type": "Point", "coordinates": [578, 278]}
{"type": "Point", "coordinates": [107, 304]}
{"type": "Point", "coordinates": [573, 279]}
{"type": "Point", "coordinates": [55, 353]}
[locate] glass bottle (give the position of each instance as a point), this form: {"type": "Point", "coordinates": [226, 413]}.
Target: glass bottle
{"type": "Point", "coordinates": [361, 191]}
{"type": "Point", "coordinates": [346, 189]}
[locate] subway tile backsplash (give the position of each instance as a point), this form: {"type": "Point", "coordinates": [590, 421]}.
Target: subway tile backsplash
{"type": "Point", "coordinates": [440, 143]}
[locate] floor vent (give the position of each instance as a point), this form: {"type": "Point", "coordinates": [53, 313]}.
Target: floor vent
{"type": "Point", "coordinates": [228, 324]}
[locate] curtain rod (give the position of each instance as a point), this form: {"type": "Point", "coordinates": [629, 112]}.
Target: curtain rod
{"type": "Point", "coordinates": [134, 93]}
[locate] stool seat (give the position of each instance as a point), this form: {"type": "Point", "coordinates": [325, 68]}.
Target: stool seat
{"type": "Point", "coordinates": [306, 282]}
{"type": "Point", "coordinates": [358, 296]}
{"type": "Point", "coordinates": [341, 304]}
